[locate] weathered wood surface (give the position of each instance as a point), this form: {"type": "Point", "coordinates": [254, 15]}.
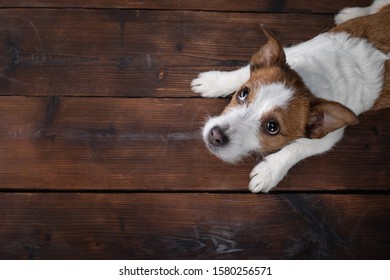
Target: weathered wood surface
{"type": "Point", "coordinates": [193, 226]}
{"type": "Point", "coordinates": [155, 144]}
{"type": "Point", "coordinates": [100, 149]}
{"type": "Point", "coordinates": [306, 6]}
{"type": "Point", "coordinates": [131, 53]}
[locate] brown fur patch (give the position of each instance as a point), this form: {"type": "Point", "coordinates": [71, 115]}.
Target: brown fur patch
{"type": "Point", "coordinates": [292, 122]}
{"type": "Point", "coordinates": [327, 116]}
{"type": "Point", "coordinates": [384, 99]}
{"type": "Point", "coordinates": [376, 29]}
{"type": "Point", "coordinates": [384, 8]}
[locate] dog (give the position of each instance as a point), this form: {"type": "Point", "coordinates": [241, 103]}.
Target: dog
{"type": "Point", "coordinates": [292, 103]}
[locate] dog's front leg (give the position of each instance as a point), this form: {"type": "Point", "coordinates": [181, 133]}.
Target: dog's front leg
{"type": "Point", "coordinates": [268, 173]}
{"type": "Point", "coordinates": [215, 84]}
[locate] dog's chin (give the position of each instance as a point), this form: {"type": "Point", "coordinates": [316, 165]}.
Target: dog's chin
{"type": "Point", "coordinates": [226, 155]}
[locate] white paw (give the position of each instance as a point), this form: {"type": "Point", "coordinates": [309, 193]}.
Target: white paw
{"type": "Point", "coordinates": [265, 176]}
{"type": "Point", "coordinates": [211, 84]}
{"type": "Point", "coordinates": [350, 13]}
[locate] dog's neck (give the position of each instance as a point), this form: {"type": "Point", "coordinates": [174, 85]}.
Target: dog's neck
{"type": "Point", "coordinates": [336, 67]}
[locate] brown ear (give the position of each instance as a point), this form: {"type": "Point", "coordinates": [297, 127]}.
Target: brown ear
{"type": "Point", "coordinates": [327, 116]}
{"type": "Point", "coordinates": [271, 54]}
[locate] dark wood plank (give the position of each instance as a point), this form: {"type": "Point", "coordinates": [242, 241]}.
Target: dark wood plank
{"type": "Point", "coordinates": [128, 52]}
{"type": "Point", "coordinates": [193, 226]}
{"type": "Point", "coordinates": [330, 6]}
{"type": "Point", "coordinates": [155, 144]}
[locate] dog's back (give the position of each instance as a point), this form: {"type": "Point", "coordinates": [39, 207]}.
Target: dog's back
{"type": "Point", "coordinates": [376, 29]}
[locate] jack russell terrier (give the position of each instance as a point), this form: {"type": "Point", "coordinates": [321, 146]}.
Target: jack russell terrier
{"type": "Point", "coordinates": [292, 103]}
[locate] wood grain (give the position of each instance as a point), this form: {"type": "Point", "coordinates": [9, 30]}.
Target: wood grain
{"type": "Point", "coordinates": [131, 53]}
{"type": "Point", "coordinates": [155, 144]}
{"type": "Point", "coordinates": [101, 155]}
{"type": "Point", "coordinates": [330, 6]}
{"type": "Point", "coordinates": [193, 226]}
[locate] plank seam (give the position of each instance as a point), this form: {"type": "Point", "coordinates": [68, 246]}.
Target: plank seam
{"type": "Point", "coordinates": [292, 12]}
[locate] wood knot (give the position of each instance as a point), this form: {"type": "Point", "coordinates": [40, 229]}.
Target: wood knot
{"type": "Point", "coordinates": [161, 74]}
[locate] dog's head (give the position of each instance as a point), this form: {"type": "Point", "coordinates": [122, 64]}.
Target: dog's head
{"type": "Point", "coordinates": [272, 109]}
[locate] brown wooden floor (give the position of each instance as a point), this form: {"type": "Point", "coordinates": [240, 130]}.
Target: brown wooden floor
{"type": "Point", "coordinates": [100, 148]}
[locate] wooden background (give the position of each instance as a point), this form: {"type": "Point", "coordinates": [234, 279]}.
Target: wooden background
{"type": "Point", "coordinates": [100, 149]}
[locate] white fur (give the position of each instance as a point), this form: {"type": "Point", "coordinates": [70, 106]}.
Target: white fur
{"type": "Point", "coordinates": [334, 66]}
{"type": "Point", "coordinates": [242, 122]}
{"type": "Point", "coordinates": [350, 13]}
{"type": "Point", "coordinates": [337, 67]}
{"type": "Point", "coordinates": [219, 84]}
{"type": "Point", "coordinates": [274, 167]}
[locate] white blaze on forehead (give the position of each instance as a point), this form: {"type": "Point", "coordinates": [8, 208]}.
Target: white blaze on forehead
{"type": "Point", "coordinates": [241, 123]}
{"type": "Point", "coordinates": [269, 97]}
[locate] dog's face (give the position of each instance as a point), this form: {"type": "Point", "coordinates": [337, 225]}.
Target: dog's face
{"type": "Point", "coordinates": [273, 108]}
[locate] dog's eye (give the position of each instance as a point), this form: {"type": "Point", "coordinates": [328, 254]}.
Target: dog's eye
{"type": "Point", "coordinates": [272, 127]}
{"type": "Point", "coordinates": [242, 94]}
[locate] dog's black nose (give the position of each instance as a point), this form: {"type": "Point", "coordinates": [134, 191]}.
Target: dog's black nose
{"type": "Point", "coordinates": [218, 137]}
